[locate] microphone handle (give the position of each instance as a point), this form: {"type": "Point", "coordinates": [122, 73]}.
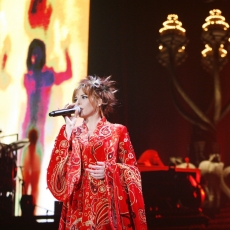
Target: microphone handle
{"type": "Point", "coordinates": [62, 112]}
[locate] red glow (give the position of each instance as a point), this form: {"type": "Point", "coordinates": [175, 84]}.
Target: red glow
{"type": "Point", "coordinates": [192, 181]}
{"type": "Point", "coordinates": [202, 192]}
{"type": "Point", "coordinates": [195, 195]}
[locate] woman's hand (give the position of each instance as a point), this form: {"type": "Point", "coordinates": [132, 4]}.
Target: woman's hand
{"type": "Point", "coordinates": [70, 121]}
{"type": "Point", "coordinates": [97, 171]}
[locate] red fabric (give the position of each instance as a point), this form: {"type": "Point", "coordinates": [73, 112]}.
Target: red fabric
{"type": "Point", "coordinates": [115, 202]}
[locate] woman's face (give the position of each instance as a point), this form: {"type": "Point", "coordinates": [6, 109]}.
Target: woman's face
{"type": "Point", "coordinates": [82, 100]}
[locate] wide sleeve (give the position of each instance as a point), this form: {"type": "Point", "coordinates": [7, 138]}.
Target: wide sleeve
{"type": "Point", "coordinates": [126, 190]}
{"type": "Point", "coordinates": [64, 168]}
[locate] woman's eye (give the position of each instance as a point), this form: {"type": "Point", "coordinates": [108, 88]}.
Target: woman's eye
{"type": "Point", "coordinates": [75, 99]}
{"type": "Point", "coordinates": [84, 97]}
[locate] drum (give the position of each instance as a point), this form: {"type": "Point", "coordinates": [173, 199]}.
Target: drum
{"type": "Point", "coordinates": [8, 168]}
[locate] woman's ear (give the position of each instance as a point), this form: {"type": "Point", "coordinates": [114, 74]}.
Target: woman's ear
{"type": "Point", "coordinates": [99, 102]}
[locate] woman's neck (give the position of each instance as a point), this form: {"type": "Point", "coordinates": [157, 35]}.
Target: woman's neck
{"type": "Point", "coordinates": [92, 122]}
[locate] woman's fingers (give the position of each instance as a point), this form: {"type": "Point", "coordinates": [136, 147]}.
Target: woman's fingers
{"type": "Point", "coordinates": [97, 175]}
{"type": "Point", "coordinates": [97, 171]}
{"type": "Point", "coordinates": [69, 106]}
{"type": "Point", "coordinates": [101, 163]}
{"type": "Point", "coordinates": [70, 124]}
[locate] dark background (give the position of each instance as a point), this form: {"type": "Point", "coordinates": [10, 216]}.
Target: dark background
{"type": "Point", "coordinates": [123, 43]}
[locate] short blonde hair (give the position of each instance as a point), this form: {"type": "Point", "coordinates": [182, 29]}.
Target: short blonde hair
{"type": "Point", "coordinates": [97, 88]}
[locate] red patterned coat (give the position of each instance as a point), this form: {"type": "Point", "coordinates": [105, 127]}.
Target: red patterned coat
{"type": "Point", "coordinates": [115, 202]}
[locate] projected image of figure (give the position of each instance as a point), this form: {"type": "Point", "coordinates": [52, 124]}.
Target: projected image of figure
{"type": "Point", "coordinates": [38, 82]}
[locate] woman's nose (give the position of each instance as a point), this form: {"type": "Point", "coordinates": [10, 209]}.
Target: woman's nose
{"type": "Point", "coordinates": [78, 102]}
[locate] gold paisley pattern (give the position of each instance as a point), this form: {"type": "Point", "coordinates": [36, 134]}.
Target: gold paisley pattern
{"type": "Point", "coordinates": [64, 168]}
{"type": "Point", "coordinates": [115, 202]}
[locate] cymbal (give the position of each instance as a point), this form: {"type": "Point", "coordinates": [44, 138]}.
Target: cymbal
{"type": "Point", "coordinates": [3, 145]}
{"type": "Point", "coordinates": [25, 140]}
{"type": "Point", "coordinates": [19, 144]}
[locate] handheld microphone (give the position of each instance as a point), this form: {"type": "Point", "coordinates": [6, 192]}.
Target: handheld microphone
{"type": "Point", "coordinates": [64, 112]}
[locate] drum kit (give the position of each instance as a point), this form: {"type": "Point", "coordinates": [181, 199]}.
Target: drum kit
{"type": "Point", "coordinates": [8, 173]}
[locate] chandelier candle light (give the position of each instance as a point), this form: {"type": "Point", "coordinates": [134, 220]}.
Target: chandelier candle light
{"type": "Point", "coordinates": [172, 53]}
